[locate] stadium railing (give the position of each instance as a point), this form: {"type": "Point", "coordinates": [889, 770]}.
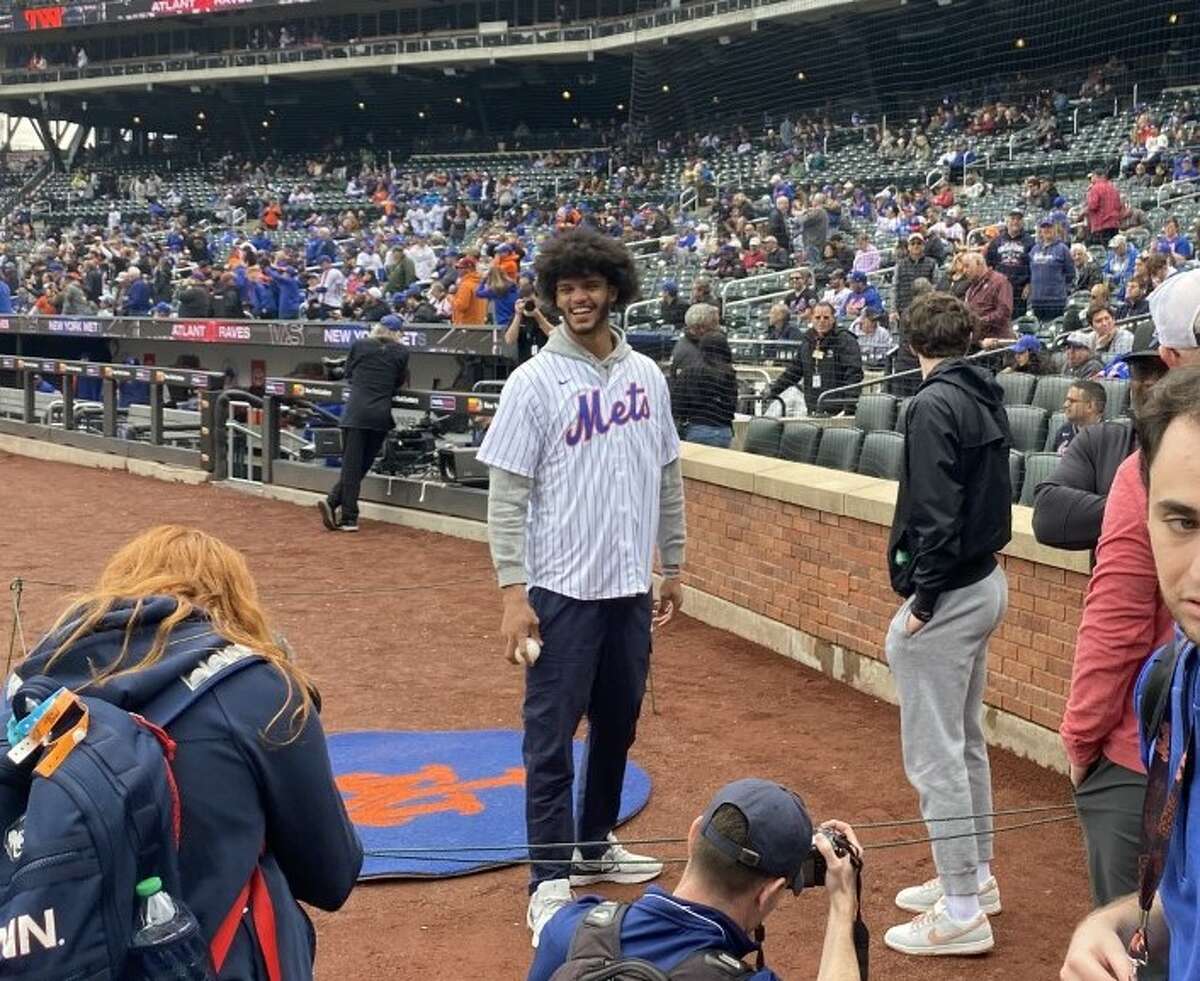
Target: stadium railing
{"type": "Point", "coordinates": [406, 44]}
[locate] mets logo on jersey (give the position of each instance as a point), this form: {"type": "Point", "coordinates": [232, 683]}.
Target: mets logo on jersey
{"type": "Point", "coordinates": [590, 420]}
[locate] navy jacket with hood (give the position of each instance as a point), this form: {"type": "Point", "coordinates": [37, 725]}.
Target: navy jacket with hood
{"type": "Point", "coordinates": [246, 798]}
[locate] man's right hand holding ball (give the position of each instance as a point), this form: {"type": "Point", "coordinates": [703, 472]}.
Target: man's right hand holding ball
{"type": "Point", "coordinates": [519, 624]}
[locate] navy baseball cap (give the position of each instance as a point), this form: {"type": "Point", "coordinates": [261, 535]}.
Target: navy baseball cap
{"type": "Point", "coordinates": [392, 322]}
{"type": "Point", "coordinates": [858, 277]}
{"type": "Point", "coordinates": [1045, 223]}
{"type": "Point", "coordinates": [780, 832]}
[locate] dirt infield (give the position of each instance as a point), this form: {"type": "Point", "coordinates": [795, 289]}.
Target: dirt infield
{"type": "Point", "coordinates": [427, 658]}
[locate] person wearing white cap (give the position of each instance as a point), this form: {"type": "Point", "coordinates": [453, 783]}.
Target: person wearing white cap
{"type": "Point", "coordinates": [1175, 310]}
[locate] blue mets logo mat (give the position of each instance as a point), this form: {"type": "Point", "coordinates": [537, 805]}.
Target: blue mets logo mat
{"type": "Point", "coordinates": [434, 804]}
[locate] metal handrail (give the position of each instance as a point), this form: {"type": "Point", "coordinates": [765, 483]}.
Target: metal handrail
{"type": "Point", "coordinates": [858, 386]}
{"type": "Point", "coordinates": [401, 44]}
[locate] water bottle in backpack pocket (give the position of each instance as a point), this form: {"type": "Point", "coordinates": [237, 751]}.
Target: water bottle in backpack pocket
{"type": "Point", "coordinates": [167, 945]}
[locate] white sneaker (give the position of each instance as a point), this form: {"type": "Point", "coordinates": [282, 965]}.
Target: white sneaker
{"type": "Point", "coordinates": [549, 897]}
{"type": "Point", "coordinates": [935, 933]}
{"type": "Point", "coordinates": [922, 898]}
{"type": "Point", "coordinates": [617, 864]}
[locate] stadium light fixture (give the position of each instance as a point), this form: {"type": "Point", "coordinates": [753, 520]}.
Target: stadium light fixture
{"type": "Point", "coordinates": [1020, 42]}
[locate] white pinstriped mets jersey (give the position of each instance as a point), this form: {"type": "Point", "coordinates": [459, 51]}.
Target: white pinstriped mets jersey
{"type": "Point", "coordinates": [594, 442]}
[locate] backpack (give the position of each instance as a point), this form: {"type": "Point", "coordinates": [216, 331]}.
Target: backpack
{"type": "Point", "coordinates": [89, 808]}
{"type": "Point", "coordinates": [595, 955]}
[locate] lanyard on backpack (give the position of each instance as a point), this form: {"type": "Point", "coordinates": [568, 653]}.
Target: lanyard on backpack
{"type": "Point", "coordinates": [1164, 788]}
{"type": "Point", "coordinates": [37, 728]}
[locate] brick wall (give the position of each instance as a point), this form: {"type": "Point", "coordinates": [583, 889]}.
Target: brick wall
{"type": "Point", "coordinates": [824, 574]}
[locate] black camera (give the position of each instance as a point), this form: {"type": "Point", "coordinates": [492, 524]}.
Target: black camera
{"type": "Point", "coordinates": [529, 306]}
{"type": "Point", "coordinates": [812, 872]}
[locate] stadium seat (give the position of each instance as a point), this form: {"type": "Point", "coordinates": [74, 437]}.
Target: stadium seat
{"type": "Point", "coordinates": [882, 455]}
{"type": "Point", "coordinates": [763, 436]}
{"type": "Point", "coordinates": [875, 412]}
{"type": "Point", "coordinates": [1117, 390]}
{"type": "Point", "coordinates": [1016, 469]}
{"type": "Point", "coordinates": [1038, 466]}
{"type": "Point", "coordinates": [1057, 421]}
{"type": "Point", "coordinates": [901, 413]}
{"type": "Point", "coordinates": [799, 442]}
{"type": "Point", "coordinates": [1018, 387]}
{"type": "Point", "coordinates": [1051, 391]}
{"type": "Point", "coordinates": [839, 448]}
{"type": "Point", "coordinates": [1028, 425]}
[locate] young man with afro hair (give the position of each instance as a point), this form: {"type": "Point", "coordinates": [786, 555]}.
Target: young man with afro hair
{"type": "Point", "coordinates": [585, 482]}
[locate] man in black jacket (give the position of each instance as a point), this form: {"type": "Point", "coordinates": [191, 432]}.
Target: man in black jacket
{"type": "Point", "coordinates": [1068, 509]}
{"type": "Point", "coordinates": [828, 357]}
{"type": "Point", "coordinates": [376, 369]}
{"type": "Point", "coordinates": [953, 513]}
{"type": "Point", "coordinates": [911, 264]}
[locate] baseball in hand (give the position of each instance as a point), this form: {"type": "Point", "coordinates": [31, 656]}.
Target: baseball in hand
{"type": "Point", "coordinates": [533, 651]}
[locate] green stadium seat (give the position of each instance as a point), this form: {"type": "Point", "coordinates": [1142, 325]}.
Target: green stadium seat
{"type": "Point", "coordinates": [1018, 387]}
{"type": "Point", "coordinates": [839, 448]}
{"type": "Point", "coordinates": [875, 411]}
{"type": "Point", "coordinates": [1117, 390]}
{"type": "Point", "coordinates": [1028, 425]}
{"type": "Point", "coordinates": [763, 436]}
{"type": "Point", "coordinates": [1038, 466]}
{"type": "Point", "coordinates": [1016, 470]}
{"type": "Point", "coordinates": [800, 441]}
{"type": "Point", "coordinates": [882, 455]}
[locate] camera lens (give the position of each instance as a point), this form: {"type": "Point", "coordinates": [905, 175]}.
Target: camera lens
{"type": "Point", "coordinates": [530, 306]}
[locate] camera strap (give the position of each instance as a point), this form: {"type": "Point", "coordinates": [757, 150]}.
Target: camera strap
{"type": "Point", "coordinates": [860, 932]}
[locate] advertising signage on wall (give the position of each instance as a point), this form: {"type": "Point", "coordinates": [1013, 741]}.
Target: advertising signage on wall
{"type": "Point", "coordinates": [427, 338]}
{"type": "Point", "coordinates": [54, 16]}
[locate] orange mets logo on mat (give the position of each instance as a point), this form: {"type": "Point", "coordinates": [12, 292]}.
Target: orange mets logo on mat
{"type": "Point", "coordinates": [388, 800]}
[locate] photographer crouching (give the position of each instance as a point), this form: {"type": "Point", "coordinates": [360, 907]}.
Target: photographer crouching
{"type": "Point", "coordinates": [754, 841]}
{"type": "Point", "coordinates": [376, 369]}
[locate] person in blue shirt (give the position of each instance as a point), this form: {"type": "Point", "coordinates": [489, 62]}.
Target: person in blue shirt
{"type": "Point", "coordinates": [751, 844]}
{"type": "Point", "coordinates": [287, 291]}
{"type": "Point", "coordinates": [1051, 273]}
{"type": "Point", "coordinates": [1168, 426]}
{"type": "Point", "coordinates": [862, 296]}
{"type": "Point", "coordinates": [5, 298]}
{"type": "Point", "coordinates": [140, 296]}
{"type": "Point", "coordinates": [1172, 244]}
{"type": "Point", "coordinates": [1120, 265]}
{"type": "Point", "coordinates": [319, 246]}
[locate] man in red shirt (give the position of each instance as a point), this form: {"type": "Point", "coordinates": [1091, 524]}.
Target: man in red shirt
{"type": "Point", "coordinates": [990, 298]}
{"type": "Point", "coordinates": [1103, 207]}
{"type": "Point", "coordinates": [1124, 620]}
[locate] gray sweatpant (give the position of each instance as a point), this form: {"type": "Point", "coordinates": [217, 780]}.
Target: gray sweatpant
{"type": "Point", "coordinates": [940, 673]}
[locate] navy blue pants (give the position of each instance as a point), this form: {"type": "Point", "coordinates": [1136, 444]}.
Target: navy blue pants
{"type": "Point", "coordinates": [594, 660]}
